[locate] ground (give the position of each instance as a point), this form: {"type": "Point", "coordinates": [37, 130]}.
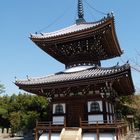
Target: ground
{"type": "Point", "coordinates": [134, 136]}
{"type": "Point", "coordinates": [16, 138]}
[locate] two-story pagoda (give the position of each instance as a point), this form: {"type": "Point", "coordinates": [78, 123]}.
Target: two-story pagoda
{"type": "Point", "coordinates": [83, 96]}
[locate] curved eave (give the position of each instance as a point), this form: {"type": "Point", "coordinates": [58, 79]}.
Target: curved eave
{"type": "Point", "coordinates": [115, 37]}
{"type": "Point", "coordinates": [48, 44]}
{"type": "Point", "coordinates": [56, 37]}
{"type": "Point", "coordinates": [122, 82]}
{"type": "Point", "coordinates": [72, 35]}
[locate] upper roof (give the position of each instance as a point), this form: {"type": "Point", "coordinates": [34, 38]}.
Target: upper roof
{"type": "Point", "coordinates": [68, 30]}
{"type": "Point", "coordinates": [87, 42]}
{"type": "Point", "coordinates": [94, 74]}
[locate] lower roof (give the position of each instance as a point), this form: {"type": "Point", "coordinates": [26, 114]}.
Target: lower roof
{"type": "Point", "coordinates": [121, 75]}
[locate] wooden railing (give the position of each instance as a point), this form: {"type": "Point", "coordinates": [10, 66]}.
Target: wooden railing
{"type": "Point", "coordinates": [50, 125]}
{"type": "Point", "coordinates": [101, 124]}
{"type": "Point", "coordinates": [119, 127]}
{"type": "Point", "coordinates": [83, 124]}
{"type": "Point", "coordinates": [42, 127]}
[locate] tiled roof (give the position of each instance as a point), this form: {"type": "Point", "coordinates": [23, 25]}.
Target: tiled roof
{"type": "Point", "coordinates": [94, 72]}
{"type": "Point", "coordinates": [71, 29]}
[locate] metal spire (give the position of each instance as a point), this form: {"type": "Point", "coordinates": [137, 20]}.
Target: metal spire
{"type": "Point", "coordinates": [80, 12]}
{"type": "Point", "coordinates": [80, 9]}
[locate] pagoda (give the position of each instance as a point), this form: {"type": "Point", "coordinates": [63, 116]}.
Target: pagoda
{"type": "Point", "coordinates": [83, 97]}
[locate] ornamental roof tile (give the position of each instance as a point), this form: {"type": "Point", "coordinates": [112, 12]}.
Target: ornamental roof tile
{"type": "Point", "coordinates": [94, 72]}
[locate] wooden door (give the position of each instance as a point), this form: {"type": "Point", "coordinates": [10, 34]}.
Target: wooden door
{"type": "Point", "coordinates": [75, 111]}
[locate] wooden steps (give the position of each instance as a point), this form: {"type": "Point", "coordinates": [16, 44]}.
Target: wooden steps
{"type": "Point", "coordinates": [71, 133]}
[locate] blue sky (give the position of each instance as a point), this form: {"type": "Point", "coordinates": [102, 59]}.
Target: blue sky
{"type": "Point", "coordinates": [18, 18]}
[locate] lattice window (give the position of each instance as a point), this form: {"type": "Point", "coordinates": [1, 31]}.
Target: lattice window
{"type": "Point", "coordinates": [59, 109]}
{"type": "Point", "coordinates": [94, 106]}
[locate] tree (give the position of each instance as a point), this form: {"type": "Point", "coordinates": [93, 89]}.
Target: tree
{"type": "Point", "coordinates": [15, 121]}
{"type": "Point", "coordinates": [131, 106]}
{"type": "Point", "coordinates": [29, 120]}
{"type": "Point", "coordinates": [21, 111]}
{"type": "Point", "coordinates": [136, 107]}
{"type": "Point", "coordinates": [2, 88]}
{"type": "Point", "coordinates": [4, 112]}
{"type": "Point", "coordinates": [134, 62]}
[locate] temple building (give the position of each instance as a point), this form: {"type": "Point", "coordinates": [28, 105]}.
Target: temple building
{"type": "Point", "coordinates": [83, 97]}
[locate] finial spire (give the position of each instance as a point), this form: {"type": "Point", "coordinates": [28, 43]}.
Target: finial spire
{"type": "Point", "coordinates": [80, 9]}
{"type": "Point", "coordinates": [80, 12]}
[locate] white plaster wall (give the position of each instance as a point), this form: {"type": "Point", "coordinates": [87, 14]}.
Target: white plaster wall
{"type": "Point", "coordinates": [94, 118]}
{"type": "Point", "coordinates": [107, 136]}
{"type": "Point", "coordinates": [86, 136]}
{"type": "Point", "coordinates": [89, 136]}
{"type": "Point", "coordinates": [100, 104]}
{"type": "Point", "coordinates": [103, 136]}
{"type": "Point", "coordinates": [64, 107]}
{"type": "Point", "coordinates": [58, 119]}
{"type": "Point", "coordinates": [45, 136]}
{"type": "Point", "coordinates": [55, 136]}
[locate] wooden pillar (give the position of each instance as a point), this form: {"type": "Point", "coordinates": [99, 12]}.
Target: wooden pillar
{"type": "Point", "coordinates": [65, 121]}
{"type": "Point", "coordinates": [80, 122]}
{"type": "Point", "coordinates": [50, 131]}
{"type": "Point", "coordinates": [104, 110]}
{"type": "Point", "coordinates": [126, 130]}
{"type": "Point", "coordinates": [36, 131]}
{"type": "Point", "coordinates": [123, 131]}
{"type": "Point", "coordinates": [36, 134]}
{"type": "Point", "coordinates": [117, 133]}
{"type": "Point", "coordinates": [109, 120]}
{"type": "Point", "coordinates": [97, 131]}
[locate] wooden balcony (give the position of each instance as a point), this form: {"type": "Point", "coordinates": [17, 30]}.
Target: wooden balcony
{"type": "Point", "coordinates": [85, 125]}
{"type": "Point", "coordinates": [102, 125]}
{"type": "Point", "coordinates": [116, 126]}
{"type": "Point", "coordinates": [45, 126]}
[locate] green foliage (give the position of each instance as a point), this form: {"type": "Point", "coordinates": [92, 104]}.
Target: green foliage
{"type": "Point", "coordinates": [15, 121]}
{"type": "Point", "coordinates": [130, 105]}
{"type": "Point", "coordinates": [20, 112]}
{"type": "Point", "coordinates": [3, 113]}
{"type": "Point", "coordinates": [126, 105]}
{"type": "Point", "coordinates": [2, 88]}
{"type": "Point", "coordinates": [29, 119]}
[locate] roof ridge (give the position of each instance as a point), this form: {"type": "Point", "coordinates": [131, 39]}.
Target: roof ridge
{"type": "Point", "coordinates": [127, 65]}
{"type": "Point", "coordinates": [51, 33]}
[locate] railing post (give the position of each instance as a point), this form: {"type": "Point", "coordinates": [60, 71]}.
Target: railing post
{"type": "Point", "coordinates": [36, 134]}
{"type": "Point", "coordinates": [36, 131]}
{"type": "Point", "coordinates": [117, 137]}
{"type": "Point", "coordinates": [65, 121]}
{"type": "Point", "coordinates": [97, 130]}
{"type": "Point", "coordinates": [49, 130]}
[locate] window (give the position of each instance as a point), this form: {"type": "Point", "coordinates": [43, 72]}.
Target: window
{"type": "Point", "coordinates": [59, 109]}
{"type": "Point", "coordinates": [94, 106]}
